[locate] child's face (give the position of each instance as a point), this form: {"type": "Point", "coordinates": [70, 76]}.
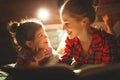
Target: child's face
{"type": "Point", "coordinates": [40, 45]}
{"type": "Point", "coordinates": [40, 39]}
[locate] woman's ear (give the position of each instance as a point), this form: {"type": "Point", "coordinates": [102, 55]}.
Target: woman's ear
{"type": "Point", "coordinates": [85, 20]}
{"type": "Point", "coordinates": [29, 44]}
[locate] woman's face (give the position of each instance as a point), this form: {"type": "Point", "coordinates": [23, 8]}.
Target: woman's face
{"type": "Point", "coordinates": [71, 25]}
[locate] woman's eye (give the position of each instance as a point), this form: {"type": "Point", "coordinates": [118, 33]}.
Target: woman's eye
{"type": "Point", "coordinates": [66, 23]}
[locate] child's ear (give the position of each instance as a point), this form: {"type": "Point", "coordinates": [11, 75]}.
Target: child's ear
{"type": "Point", "coordinates": [29, 44]}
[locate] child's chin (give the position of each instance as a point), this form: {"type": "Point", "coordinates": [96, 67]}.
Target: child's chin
{"type": "Point", "coordinates": [44, 61]}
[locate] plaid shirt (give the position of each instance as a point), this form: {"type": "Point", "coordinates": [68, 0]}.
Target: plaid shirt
{"type": "Point", "coordinates": [103, 49]}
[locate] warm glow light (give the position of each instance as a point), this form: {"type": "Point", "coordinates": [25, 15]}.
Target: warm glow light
{"type": "Point", "coordinates": [43, 14]}
{"type": "Point", "coordinates": [77, 71]}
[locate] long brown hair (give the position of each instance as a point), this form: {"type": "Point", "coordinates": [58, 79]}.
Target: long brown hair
{"type": "Point", "coordinates": [79, 9]}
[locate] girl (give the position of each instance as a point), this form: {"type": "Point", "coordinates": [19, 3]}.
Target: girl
{"type": "Point", "coordinates": [32, 44]}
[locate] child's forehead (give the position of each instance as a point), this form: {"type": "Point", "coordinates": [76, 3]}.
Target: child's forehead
{"type": "Point", "coordinates": [40, 31]}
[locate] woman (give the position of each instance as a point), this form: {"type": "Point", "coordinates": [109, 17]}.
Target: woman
{"type": "Point", "coordinates": [88, 46]}
{"type": "Point", "coordinates": [32, 44]}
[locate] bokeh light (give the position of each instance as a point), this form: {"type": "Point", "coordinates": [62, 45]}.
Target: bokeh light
{"type": "Point", "coordinates": [43, 14]}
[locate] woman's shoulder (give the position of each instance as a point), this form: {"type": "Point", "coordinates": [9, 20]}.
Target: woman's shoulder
{"type": "Point", "coordinates": [110, 38]}
{"type": "Point", "coordinates": [102, 33]}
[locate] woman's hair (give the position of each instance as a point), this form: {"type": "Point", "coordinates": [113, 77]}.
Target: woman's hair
{"type": "Point", "coordinates": [79, 9]}
{"type": "Point", "coordinates": [24, 31]}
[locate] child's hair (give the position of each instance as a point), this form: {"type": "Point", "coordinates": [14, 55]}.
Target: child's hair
{"type": "Point", "coordinates": [24, 31]}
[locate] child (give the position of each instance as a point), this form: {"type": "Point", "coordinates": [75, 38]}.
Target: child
{"type": "Point", "coordinates": [32, 44]}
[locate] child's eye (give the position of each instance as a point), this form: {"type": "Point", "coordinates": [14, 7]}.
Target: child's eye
{"type": "Point", "coordinates": [40, 35]}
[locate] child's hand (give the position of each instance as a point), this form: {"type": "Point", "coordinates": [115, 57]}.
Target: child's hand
{"type": "Point", "coordinates": [42, 53]}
